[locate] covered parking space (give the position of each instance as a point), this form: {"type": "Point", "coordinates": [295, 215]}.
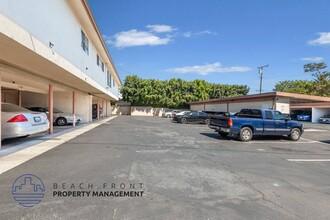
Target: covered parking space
{"type": "Point", "coordinates": [33, 74]}
{"type": "Point", "coordinates": [318, 109]}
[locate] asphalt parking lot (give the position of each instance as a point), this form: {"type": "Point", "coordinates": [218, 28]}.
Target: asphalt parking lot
{"type": "Point", "coordinates": [187, 172]}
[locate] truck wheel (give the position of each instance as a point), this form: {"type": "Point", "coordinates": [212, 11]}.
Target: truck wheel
{"type": "Point", "coordinates": [245, 134]}
{"type": "Point", "coordinates": [223, 134]}
{"type": "Point", "coordinates": [184, 121]}
{"type": "Point", "coordinates": [295, 134]}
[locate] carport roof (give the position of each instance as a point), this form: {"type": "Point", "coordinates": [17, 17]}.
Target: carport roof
{"type": "Point", "coordinates": [294, 98]}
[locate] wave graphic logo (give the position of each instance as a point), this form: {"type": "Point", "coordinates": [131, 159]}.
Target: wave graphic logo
{"type": "Point", "coordinates": [28, 190]}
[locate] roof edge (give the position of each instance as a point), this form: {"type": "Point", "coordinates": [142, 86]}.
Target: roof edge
{"type": "Point", "coordinates": [263, 95]}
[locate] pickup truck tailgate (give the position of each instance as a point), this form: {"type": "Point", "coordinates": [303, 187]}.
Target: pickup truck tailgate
{"type": "Point", "coordinates": [219, 121]}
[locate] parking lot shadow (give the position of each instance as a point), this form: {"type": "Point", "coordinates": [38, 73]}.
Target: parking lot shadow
{"type": "Point", "coordinates": [215, 136]}
{"type": "Point", "coordinates": [326, 141]}
{"type": "Point", "coordinates": [256, 138]}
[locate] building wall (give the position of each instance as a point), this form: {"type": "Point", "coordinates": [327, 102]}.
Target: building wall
{"type": "Point", "coordinates": [233, 106]}
{"type": "Point", "coordinates": [121, 110]}
{"type": "Point", "coordinates": [32, 99]}
{"type": "Point", "coordinates": [319, 112]}
{"type": "Point", "coordinates": [197, 107]}
{"type": "Point", "coordinates": [9, 96]}
{"type": "Point", "coordinates": [216, 107]}
{"type": "Point", "coordinates": [146, 111]}
{"type": "Point", "coordinates": [236, 107]}
{"type": "Point", "coordinates": [53, 21]}
{"type": "Point", "coordinates": [283, 105]}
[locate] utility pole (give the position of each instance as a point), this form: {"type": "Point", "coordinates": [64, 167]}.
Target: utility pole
{"type": "Point", "coordinates": [261, 70]}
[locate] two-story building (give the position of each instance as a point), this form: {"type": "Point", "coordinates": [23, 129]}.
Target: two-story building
{"type": "Point", "coordinates": [52, 54]}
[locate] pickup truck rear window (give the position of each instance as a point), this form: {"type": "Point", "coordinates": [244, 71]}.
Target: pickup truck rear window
{"type": "Point", "coordinates": [250, 113]}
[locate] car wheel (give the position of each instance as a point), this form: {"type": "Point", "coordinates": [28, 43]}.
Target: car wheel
{"type": "Point", "coordinates": [245, 134]}
{"type": "Point", "coordinates": [223, 134]}
{"type": "Point", "coordinates": [207, 121]}
{"type": "Point", "coordinates": [184, 121]}
{"type": "Point", "coordinates": [168, 116]}
{"type": "Point", "coordinates": [295, 134]}
{"type": "Point", "coordinates": [61, 121]}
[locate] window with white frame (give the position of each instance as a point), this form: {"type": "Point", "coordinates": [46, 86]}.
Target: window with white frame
{"type": "Point", "coordinates": [97, 60]}
{"type": "Point", "coordinates": [84, 42]}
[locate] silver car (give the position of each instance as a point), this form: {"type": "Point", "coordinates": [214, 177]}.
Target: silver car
{"type": "Point", "coordinates": [325, 119]}
{"type": "Point", "coordinates": [169, 114]}
{"type": "Point", "coordinates": [59, 118]}
{"type": "Point", "coordinates": [19, 122]}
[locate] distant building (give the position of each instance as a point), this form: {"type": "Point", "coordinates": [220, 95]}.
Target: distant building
{"type": "Point", "coordinates": [282, 101]}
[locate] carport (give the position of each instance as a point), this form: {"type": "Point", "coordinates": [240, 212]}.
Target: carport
{"type": "Point", "coordinates": [282, 101]}
{"type": "Point", "coordinates": [318, 109]}
{"type": "Point", "coordinates": [33, 74]}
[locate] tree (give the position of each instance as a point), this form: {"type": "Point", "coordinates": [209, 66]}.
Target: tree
{"type": "Point", "coordinates": [174, 93]}
{"type": "Point", "coordinates": [319, 86]}
{"type": "Point", "coordinates": [296, 86]}
{"type": "Point", "coordinates": [322, 78]}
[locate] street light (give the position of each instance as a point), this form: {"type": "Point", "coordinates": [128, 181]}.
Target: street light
{"type": "Point", "coordinates": [261, 70]}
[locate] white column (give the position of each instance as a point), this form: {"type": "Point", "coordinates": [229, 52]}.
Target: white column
{"type": "Point", "coordinates": [74, 109]}
{"type": "Point", "coordinates": [50, 108]}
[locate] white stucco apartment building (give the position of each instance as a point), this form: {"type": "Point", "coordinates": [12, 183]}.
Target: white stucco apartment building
{"type": "Point", "coordinates": [52, 54]}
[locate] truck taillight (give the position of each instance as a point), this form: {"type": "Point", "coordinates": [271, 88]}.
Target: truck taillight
{"type": "Point", "coordinates": [230, 122]}
{"type": "Point", "coordinates": [18, 118]}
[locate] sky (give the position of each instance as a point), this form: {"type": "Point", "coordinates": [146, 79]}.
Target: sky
{"type": "Point", "coordinates": [220, 41]}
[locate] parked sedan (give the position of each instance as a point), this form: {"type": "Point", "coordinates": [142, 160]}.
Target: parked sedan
{"type": "Point", "coordinates": [325, 119]}
{"type": "Point", "coordinates": [169, 114]}
{"type": "Point", "coordinates": [59, 118]}
{"type": "Point", "coordinates": [192, 117]}
{"type": "Point", "coordinates": [179, 113]}
{"type": "Point", "coordinates": [20, 122]}
{"type": "Point", "coordinates": [305, 116]}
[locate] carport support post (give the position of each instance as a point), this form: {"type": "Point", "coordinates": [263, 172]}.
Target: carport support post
{"type": "Point", "coordinates": [98, 110]}
{"type": "Point", "coordinates": [50, 108]}
{"type": "Point", "coordinates": [20, 98]}
{"type": "Point", "coordinates": [74, 109]}
{"type": "Point", "coordinates": [0, 106]}
{"type": "Point", "coordinates": [106, 108]}
{"type": "Point", "coordinates": [102, 108]}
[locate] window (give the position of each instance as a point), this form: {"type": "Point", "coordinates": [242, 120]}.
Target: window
{"type": "Point", "coordinates": [269, 115]}
{"type": "Point", "coordinates": [279, 116]}
{"type": "Point", "coordinates": [84, 42]}
{"type": "Point", "coordinates": [194, 114]}
{"type": "Point", "coordinates": [97, 60]}
{"type": "Point", "coordinates": [102, 66]}
{"type": "Point", "coordinates": [250, 113]}
{"type": "Point", "coordinates": [113, 82]}
{"type": "Point", "coordinates": [108, 79]}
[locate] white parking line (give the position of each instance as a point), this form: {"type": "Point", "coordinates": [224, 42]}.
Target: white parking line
{"type": "Point", "coordinates": [13, 160]}
{"type": "Point", "coordinates": [283, 142]}
{"type": "Point", "coordinates": [309, 160]}
{"type": "Point", "coordinates": [312, 129]}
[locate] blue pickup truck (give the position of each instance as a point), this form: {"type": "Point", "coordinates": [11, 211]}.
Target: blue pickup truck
{"type": "Point", "coordinates": [252, 122]}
